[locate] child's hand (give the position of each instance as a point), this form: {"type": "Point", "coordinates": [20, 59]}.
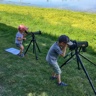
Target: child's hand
{"type": "Point", "coordinates": [24, 38]}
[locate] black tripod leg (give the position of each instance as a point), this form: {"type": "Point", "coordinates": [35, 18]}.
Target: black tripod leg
{"type": "Point", "coordinates": [67, 61]}
{"type": "Point", "coordinates": [77, 61]}
{"type": "Point", "coordinates": [87, 59]}
{"type": "Point", "coordinates": [37, 46]}
{"type": "Point", "coordinates": [33, 46]}
{"type": "Point", "coordinates": [27, 47]}
{"type": "Point", "coordinates": [90, 81]}
{"type": "Point", "coordinates": [34, 49]}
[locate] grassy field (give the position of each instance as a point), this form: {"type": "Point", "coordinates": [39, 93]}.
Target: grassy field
{"type": "Point", "coordinates": [29, 77]}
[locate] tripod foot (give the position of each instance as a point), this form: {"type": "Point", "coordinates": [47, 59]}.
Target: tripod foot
{"type": "Point", "coordinates": [36, 58]}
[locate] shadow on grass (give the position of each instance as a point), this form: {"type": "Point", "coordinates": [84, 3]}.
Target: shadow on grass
{"type": "Point", "coordinates": [24, 76]}
{"type": "Point", "coordinates": [10, 32]}
{"type": "Point", "coordinates": [6, 30]}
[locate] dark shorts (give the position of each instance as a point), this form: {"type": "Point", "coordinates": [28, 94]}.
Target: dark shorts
{"type": "Point", "coordinates": [18, 45]}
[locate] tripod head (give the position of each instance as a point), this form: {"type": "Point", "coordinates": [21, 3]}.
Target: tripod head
{"type": "Point", "coordinates": [78, 45]}
{"type": "Point", "coordinates": [33, 33]}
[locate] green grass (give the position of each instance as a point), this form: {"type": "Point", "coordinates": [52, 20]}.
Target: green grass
{"type": "Point", "coordinates": [29, 77]}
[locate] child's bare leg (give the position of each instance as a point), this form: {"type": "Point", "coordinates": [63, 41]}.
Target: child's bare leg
{"type": "Point", "coordinates": [59, 78]}
{"type": "Point", "coordinates": [21, 49]}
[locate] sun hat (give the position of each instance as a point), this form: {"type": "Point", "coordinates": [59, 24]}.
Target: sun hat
{"type": "Point", "coordinates": [65, 39]}
{"type": "Point", "coordinates": [22, 27]}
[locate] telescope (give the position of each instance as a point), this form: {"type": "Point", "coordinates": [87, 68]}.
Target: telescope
{"type": "Point", "coordinates": [34, 42]}
{"type": "Point", "coordinates": [79, 44]}
{"type": "Point", "coordinates": [33, 33]}
{"type": "Point", "coordinates": [75, 48]}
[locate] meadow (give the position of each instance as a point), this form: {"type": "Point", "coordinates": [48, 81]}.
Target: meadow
{"type": "Point", "coordinates": [30, 77]}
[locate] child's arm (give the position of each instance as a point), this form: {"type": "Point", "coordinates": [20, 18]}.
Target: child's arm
{"type": "Point", "coordinates": [20, 39]}
{"type": "Point", "coordinates": [24, 35]}
{"type": "Point", "coordinates": [64, 51]}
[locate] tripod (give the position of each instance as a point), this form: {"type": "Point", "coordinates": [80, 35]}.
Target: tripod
{"type": "Point", "coordinates": [79, 62]}
{"type": "Point", "coordinates": [34, 46]}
